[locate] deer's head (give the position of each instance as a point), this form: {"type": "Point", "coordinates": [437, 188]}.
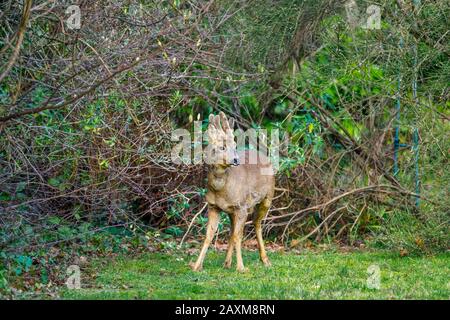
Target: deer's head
{"type": "Point", "coordinates": [222, 147]}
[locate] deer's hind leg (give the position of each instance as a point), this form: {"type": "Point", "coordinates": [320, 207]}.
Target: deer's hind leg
{"type": "Point", "coordinates": [211, 228]}
{"type": "Point", "coordinates": [259, 214]}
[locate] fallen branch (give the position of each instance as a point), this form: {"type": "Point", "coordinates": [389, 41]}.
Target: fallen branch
{"type": "Point", "coordinates": [190, 224]}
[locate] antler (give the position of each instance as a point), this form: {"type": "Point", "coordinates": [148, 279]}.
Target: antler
{"type": "Point", "coordinates": [219, 128]}
{"type": "Point", "coordinates": [215, 132]}
{"type": "Point", "coordinates": [227, 125]}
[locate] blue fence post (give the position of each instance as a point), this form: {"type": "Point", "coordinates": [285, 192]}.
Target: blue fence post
{"type": "Point", "coordinates": [416, 134]}
{"type": "Point", "coordinates": [397, 117]}
{"type": "Point", "coordinates": [415, 145]}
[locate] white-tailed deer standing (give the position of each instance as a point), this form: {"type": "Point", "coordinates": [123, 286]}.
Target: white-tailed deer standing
{"type": "Point", "coordinates": [240, 184]}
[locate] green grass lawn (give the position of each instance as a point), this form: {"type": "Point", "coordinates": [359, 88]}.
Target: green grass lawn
{"type": "Point", "coordinates": [308, 275]}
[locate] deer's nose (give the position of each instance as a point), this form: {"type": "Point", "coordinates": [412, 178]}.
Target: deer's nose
{"type": "Point", "coordinates": [236, 161]}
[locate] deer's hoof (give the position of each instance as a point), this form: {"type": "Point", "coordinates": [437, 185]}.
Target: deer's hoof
{"type": "Point", "coordinates": [266, 262]}
{"type": "Point", "coordinates": [227, 265]}
{"type": "Point", "coordinates": [195, 267]}
{"type": "Point", "coordinates": [242, 269]}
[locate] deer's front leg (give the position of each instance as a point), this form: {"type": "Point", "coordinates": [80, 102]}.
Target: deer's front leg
{"type": "Point", "coordinates": [230, 249]}
{"type": "Point", "coordinates": [238, 232]}
{"type": "Point", "coordinates": [211, 228]}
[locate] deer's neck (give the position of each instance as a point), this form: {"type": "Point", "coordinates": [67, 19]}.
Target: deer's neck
{"type": "Point", "coordinates": [218, 177]}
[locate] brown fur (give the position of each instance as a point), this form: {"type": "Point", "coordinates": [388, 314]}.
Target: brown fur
{"type": "Point", "coordinates": [237, 190]}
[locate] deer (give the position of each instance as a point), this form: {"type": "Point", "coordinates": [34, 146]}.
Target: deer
{"type": "Point", "coordinates": [240, 184]}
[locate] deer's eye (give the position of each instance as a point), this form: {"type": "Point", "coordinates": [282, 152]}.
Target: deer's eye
{"type": "Point", "coordinates": [222, 148]}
